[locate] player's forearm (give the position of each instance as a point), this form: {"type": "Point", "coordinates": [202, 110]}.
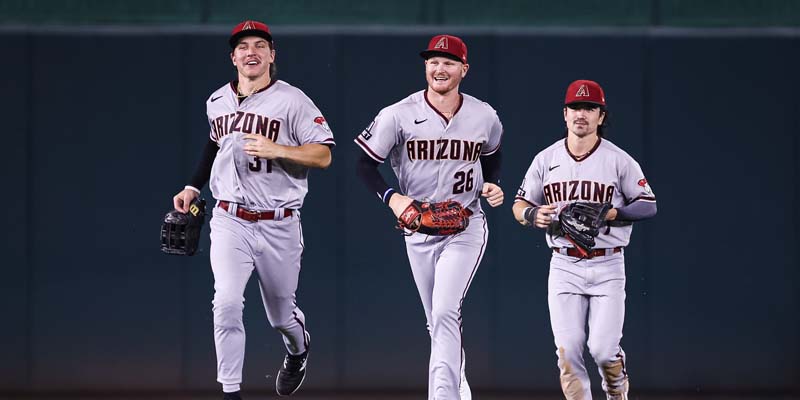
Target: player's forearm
{"type": "Point", "coordinates": [312, 155]}
{"type": "Point", "coordinates": [519, 212]}
{"type": "Point", "coordinates": [203, 170]}
{"type": "Point", "coordinates": [636, 211]}
{"type": "Point", "coordinates": [490, 165]}
{"type": "Point", "coordinates": [367, 171]}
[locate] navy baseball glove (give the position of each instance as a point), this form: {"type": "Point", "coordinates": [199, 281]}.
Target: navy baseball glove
{"type": "Point", "coordinates": [180, 233]}
{"type": "Point", "coordinates": [581, 223]}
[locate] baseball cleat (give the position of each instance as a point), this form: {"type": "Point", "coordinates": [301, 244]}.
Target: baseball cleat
{"type": "Point", "coordinates": [232, 396]}
{"type": "Point", "coordinates": [291, 374]}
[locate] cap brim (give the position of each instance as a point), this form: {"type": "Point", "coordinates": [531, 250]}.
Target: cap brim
{"type": "Point", "coordinates": [234, 40]}
{"type": "Point", "coordinates": [585, 102]}
{"type": "Point", "coordinates": [434, 53]}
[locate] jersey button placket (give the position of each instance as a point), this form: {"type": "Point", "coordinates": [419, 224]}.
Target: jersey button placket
{"type": "Point", "coordinates": [439, 165]}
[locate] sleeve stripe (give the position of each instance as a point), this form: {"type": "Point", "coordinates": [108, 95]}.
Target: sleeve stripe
{"type": "Point", "coordinates": [368, 150]}
{"type": "Point", "coordinates": [499, 143]}
{"type": "Point", "coordinates": [518, 198]}
{"type": "Point", "coordinates": [491, 152]}
{"type": "Point", "coordinates": [324, 141]}
{"type": "Point", "coordinates": [643, 198]}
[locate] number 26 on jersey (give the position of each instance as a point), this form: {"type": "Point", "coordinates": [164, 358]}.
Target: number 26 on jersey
{"type": "Point", "coordinates": [464, 182]}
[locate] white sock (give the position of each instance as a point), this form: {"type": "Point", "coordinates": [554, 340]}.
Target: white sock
{"type": "Point", "coordinates": [230, 388]}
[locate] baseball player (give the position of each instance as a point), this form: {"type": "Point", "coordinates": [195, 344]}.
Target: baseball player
{"type": "Point", "coordinates": [443, 145]}
{"type": "Point", "coordinates": [586, 167]}
{"type": "Point", "coordinates": [265, 135]}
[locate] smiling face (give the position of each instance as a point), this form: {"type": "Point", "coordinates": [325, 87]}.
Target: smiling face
{"type": "Point", "coordinates": [583, 118]}
{"type": "Point", "coordinates": [444, 74]}
{"type": "Point", "coordinates": [252, 57]}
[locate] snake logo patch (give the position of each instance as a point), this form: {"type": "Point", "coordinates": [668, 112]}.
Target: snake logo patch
{"type": "Point", "coordinates": [321, 121]}
{"type": "Point", "coordinates": [643, 183]}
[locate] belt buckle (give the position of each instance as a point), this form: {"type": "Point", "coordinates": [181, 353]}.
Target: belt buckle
{"type": "Point", "coordinates": [250, 213]}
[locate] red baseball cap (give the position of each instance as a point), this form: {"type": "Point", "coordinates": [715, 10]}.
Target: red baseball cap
{"type": "Point", "coordinates": [249, 28]}
{"type": "Point", "coordinates": [585, 91]}
{"type": "Point", "coordinates": [446, 46]}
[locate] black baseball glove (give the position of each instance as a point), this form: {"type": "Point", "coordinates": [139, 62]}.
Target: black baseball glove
{"type": "Point", "coordinates": [180, 233]}
{"type": "Point", "coordinates": [581, 223]}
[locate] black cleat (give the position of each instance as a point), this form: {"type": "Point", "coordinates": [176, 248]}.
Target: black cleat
{"type": "Point", "coordinates": [232, 396]}
{"type": "Point", "coordinates": [291, 374]}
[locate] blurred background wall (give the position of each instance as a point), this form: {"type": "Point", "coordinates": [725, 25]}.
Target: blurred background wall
{"type": "Point", "coordinates": [103, 112]}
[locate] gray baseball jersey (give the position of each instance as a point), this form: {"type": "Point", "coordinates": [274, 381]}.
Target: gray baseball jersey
{"type": "Point", "coordinates": [435, 160]}
{"type": "Point", "coordinates": [607, 174]}
{"type": "Point", "coordinates": [280, 112]}
{"type": "Point", "coordinates": [272, 248]}
{"type": "Point", "coordinates": [592, 291]}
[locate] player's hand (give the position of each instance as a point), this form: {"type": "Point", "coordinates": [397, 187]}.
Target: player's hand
{"type": "Point", "coordinates": [260, 146]}
{"type": "Point", "coordinates": [611, 215]}
{"type": "Point", "coordinates": [492, 193]}
{"type": "Point", "coordinates": [398, 203]}
{"type": "Point", "coordinates": [544, 215]}
{"type": "Point", "coordinates": [183, 200]}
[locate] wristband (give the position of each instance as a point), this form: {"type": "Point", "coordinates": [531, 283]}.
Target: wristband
{"type": "Point", "coordinates": [192, 188]}
{"type": "Point", "coordinates": [387, 195]}
{"type": "Point", "coordinates": [529, 214]}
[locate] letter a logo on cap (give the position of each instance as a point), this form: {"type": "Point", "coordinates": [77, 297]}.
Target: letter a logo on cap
{"type": "Point", "coordinates": [248, 25]}
{"type": "Point", "coordinates": [441, 44]}
{"type": "Point", "coordinates": [583, 91]}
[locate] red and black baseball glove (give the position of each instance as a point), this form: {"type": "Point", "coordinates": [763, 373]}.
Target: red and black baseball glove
{"type": "Point", "coordinates": [443, 218]}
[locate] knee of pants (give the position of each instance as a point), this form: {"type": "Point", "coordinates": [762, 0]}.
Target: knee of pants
{"type": "Point", "coordinates": [606, 355]}
{"type": "Point", "coordinates": [228, 314]}
{"type": "Point", "coordinates": [283, 325]}
{"type": "Point", "coordinates": [443, 314]}
{"type": "Point", "coordinates": [280, 312]}
{"type": "Point", "coordinates": [570, 344]}
{"type": "Point", "coordinates": [571, 353]}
